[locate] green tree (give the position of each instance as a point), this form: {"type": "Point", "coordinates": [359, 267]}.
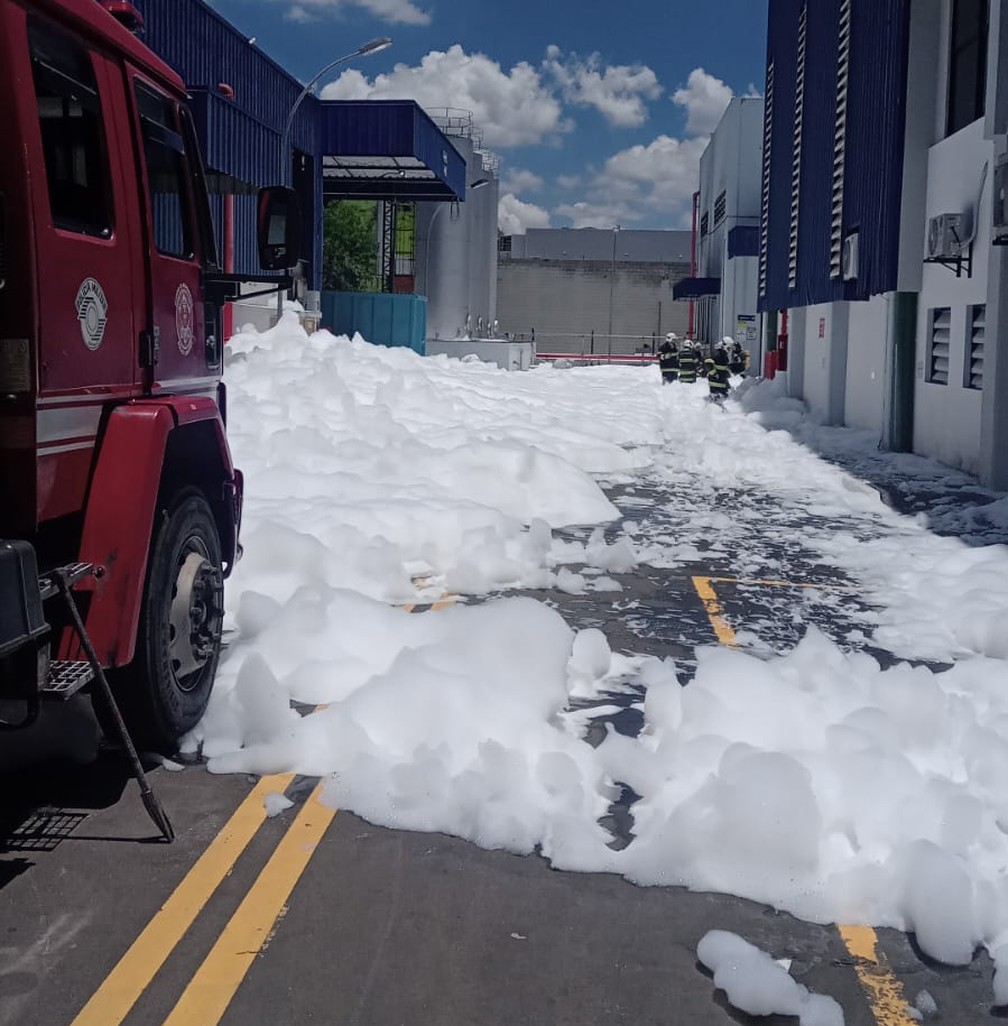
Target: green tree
{"type": "Point", "coordinates": [350, 246]}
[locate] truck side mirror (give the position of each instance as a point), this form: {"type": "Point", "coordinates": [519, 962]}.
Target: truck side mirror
{"type": "Point", "coordinates": [279, 228]}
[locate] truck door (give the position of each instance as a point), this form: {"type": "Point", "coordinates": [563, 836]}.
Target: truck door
{"type": "Point", "coordinates": [84, 244]}
{"type": "Point", "coordinates": [175, 349]}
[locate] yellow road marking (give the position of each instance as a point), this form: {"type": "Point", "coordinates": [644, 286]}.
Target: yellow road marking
{"type": "Point", "coordinates": [206, 998]}
{"type": "Point", "coordinates": [885, 992]}
{"type": "Point", "coordinates": [779, 584]}
{"type": "Point", "coordinates": [112, 1001]}
{"type": "Point", "coordinates": [708, 596]}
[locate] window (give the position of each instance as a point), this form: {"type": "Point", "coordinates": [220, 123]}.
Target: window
{"type": "Point", "coordinates": [704, 225]}
{"type": "Point", "coordinates": [719, 209]}
{"type": "Point", "coordinates": [73, 140]}
{"type": "Point", "coordinates": [166, 173]}
{"type": "Point", "coordinates": [940, 323]}
{"type": "Point", "coordinates": [967, 82]}
{"type": "Point", "coordinates": [973, 368]}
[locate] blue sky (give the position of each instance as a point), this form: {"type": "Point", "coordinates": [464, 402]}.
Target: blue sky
{"type": "Point", "coordinates": [598, 110]}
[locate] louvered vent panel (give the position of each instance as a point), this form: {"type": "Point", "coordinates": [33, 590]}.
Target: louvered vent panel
{"type": "Point", "coordinates": [840, 139]}
{"type": "Point", "coordinates": [974, 369]}
{"type": "Point", "coordinates": [938, 345]}
{"type": "Point", "coordinates": [719, 209]}
{"type": "Point", "coordinates": [796, 158]}
{"type": "Point", "coordinates": [765, 194]}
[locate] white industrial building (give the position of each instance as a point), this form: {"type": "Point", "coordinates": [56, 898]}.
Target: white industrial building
{"type": "Point", "coordinates": [727, 240]}
{"type": "Point", "coordinates": [956, 125]}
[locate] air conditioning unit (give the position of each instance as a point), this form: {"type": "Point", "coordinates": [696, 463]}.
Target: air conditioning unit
{"type": "Point", "coordinates": [946, 235]}
{"type": "Point", "coordinates": [849, 257]}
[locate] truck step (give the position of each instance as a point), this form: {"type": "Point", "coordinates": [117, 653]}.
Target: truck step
{"type": "Point", "coordinates": [66, 677]}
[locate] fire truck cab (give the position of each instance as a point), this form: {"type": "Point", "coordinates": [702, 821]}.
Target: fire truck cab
{"type": "Point", "coordinates": [117, 489]}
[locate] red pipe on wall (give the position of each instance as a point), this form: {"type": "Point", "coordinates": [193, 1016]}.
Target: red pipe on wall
{"type": "Point", "coordinates": [692, 269]}
{"type": "Point", "coordinates": [227, 228]}
{"type": "Point", "coordinates": [228, 233]}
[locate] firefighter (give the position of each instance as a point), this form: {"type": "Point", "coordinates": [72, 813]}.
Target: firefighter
{"type": "Point", "coordinates": [717, 372]}
{"type": "Point", "coordinates": [687, 363]}
{"type": "Point", "coordinates": [738, 358]}
{"type": "Point", "coordinates": [668, 358]}
{"type": "Point", "coordinates": [701, 362]}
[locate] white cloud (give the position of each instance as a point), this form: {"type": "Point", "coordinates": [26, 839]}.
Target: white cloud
{"type": "Point", "coordinates": [514, 216]}
{"type": "Point", "coordinates": [653, 182]}
{"type": "Point", "coordinates": [403, 12]}
{"type": "Point", "coordinates": [568, 181]}
{"type": "Point", "coordinates": [602, 214]}
{"type": "Point", "coordinates": [512, 108]}
{"type": "Point", "coordinates": [641, 183]}
{"type": "Point", "coordinates": [705, 99]}
{"type": "Point", "coordinates": [618, 92]}
{"type": "Point", "coordinates": [517, 179]}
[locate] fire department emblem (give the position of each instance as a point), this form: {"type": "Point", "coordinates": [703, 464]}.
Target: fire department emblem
{"type": "Point", "coordinates": [92, 312]}
{"type": "Point", "coordinates": [184, 320]}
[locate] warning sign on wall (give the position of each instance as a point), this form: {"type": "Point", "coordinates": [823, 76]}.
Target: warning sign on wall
{"type": "Point", "coordinates": [745, 328]}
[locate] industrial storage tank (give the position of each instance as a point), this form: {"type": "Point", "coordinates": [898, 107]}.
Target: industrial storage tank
{"type": "Point", "coordinates": [456, 247]}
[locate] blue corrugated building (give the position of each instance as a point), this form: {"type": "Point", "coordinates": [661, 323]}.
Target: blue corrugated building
{"type": "Point", "coordinates": [883, 266]}
{"type": "Point", "coordinates": [241, 99]}
{"type": "Point", "coordinates": [833, 149]}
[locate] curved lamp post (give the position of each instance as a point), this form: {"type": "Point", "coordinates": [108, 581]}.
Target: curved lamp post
{"type": "Point", "coordinates": [478, 184]}
{"type": "Point", "coordinates": [381, 43]}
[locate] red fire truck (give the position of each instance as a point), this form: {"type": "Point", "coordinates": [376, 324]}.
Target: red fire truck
{"type": "Point", "coordinates": [119, 503]}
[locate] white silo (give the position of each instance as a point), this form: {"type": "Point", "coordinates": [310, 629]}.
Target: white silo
{"type": "Point", "coordinates": [457, 243]}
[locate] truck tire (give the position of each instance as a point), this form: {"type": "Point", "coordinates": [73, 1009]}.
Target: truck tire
{"type": "Point", "coordinates": [165, 689]}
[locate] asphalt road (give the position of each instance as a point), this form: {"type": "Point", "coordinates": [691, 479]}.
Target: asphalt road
{"type": "Point", "coordinates": [315, 917]}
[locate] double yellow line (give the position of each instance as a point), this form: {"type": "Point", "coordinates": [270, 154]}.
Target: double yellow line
{"type": "Point", "coordinates": [884, 992]}
{"type": "Point", "coordinates": [210, 991]}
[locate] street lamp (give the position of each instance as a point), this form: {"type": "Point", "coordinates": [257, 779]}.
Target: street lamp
{"type": "Point", "coordinates": [612, 282]}
{"type": "Point", "coordinates": [373, 46]}
{"type": "Point", "coordinates": [477, 184]}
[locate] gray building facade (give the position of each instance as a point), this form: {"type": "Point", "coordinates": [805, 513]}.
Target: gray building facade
{"type": "Point", "coordinates": [592, 290]}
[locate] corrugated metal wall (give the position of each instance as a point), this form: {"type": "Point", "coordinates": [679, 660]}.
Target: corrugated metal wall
{"type": "Point", "coordinates": [206, 50]}
{"type": "Point", "coordinates": [240, 138]}
{"type": "Point", "coordinates": [874, 148]}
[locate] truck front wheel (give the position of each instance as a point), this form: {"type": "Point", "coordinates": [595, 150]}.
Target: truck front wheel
{"type": "Point", "coordinates": [165, 690]}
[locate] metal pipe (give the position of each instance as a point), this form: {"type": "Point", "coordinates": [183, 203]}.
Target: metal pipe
{"type": "Point", "coordinates": [612, 283]}
{"type": "Point", "coordinates": [696, 204]}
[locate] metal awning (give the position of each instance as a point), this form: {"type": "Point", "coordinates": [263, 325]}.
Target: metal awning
{"type": "Point", "coordinates": [386, 149]}
{"type": "Point", "coordinates": [696, 288]}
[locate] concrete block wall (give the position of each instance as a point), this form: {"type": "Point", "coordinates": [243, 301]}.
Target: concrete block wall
{"type": "Point", "coordinates": [564, 301]}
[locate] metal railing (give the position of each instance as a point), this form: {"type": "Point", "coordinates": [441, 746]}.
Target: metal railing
{"type": "Point", "coordinates": [592, 347]}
